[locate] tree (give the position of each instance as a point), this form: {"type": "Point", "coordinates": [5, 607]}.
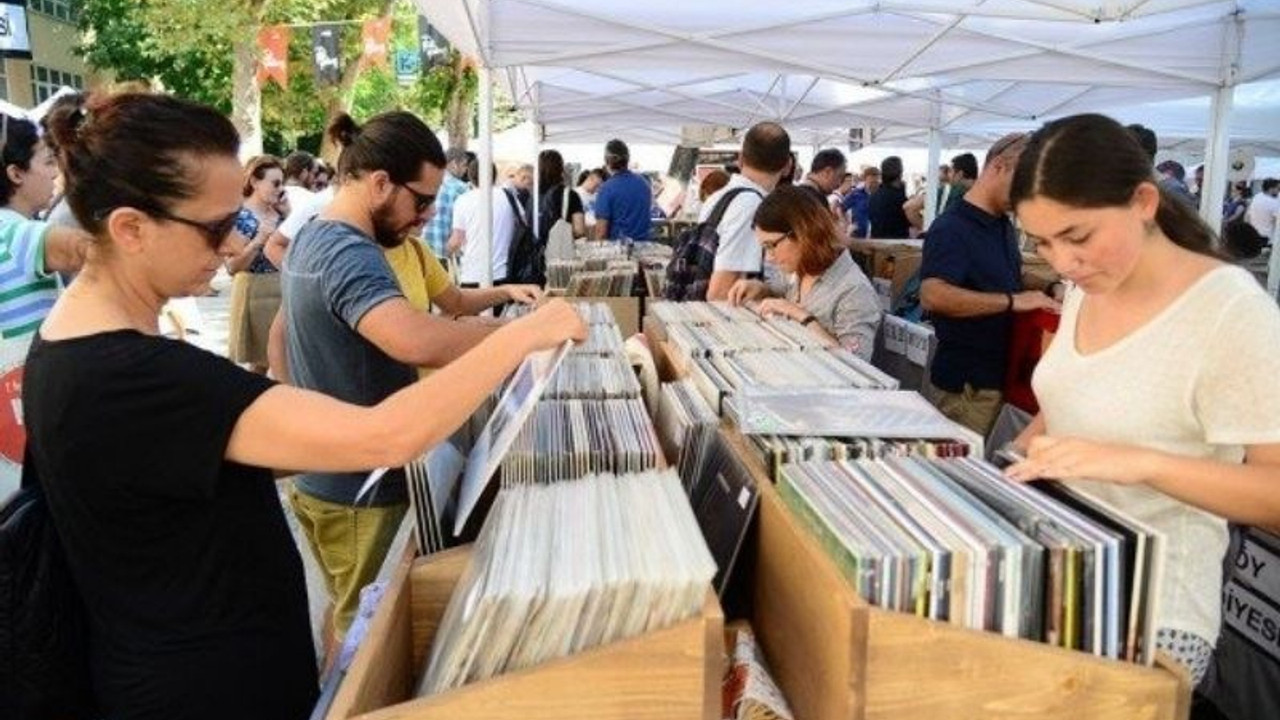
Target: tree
{"type": "Point", "coordinates": [116, 37]}
{"type": "Point", "coordinates": [207, 51]}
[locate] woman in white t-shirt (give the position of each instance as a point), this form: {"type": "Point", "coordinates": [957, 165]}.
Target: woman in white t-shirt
{"type": "Point", "coordinates": [1159, 386]}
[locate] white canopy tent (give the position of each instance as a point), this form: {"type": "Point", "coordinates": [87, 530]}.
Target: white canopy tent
{"type": "Point", "coordinates": [905, 71]}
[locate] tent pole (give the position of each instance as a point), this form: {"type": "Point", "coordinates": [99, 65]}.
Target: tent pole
{"type": "Point", "coordinates": [1273, 268]}
{"type": "Point", "coordinates": [931, 175]}
{"type": "Point", "coordinates": [535, 199]}
{"type": "Point", "coordinates": [486, 173]}
{"type": "Point", "coordinates": [1214, 189]}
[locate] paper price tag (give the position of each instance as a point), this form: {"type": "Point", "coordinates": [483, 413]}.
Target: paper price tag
{"type": "Point", "coordinates": [895, 335]}
{"type": "Point", "coordinates": [918, 338]}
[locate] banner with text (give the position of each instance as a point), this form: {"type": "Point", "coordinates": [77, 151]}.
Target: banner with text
{"type": "Point", "coordinates": [15, 38]}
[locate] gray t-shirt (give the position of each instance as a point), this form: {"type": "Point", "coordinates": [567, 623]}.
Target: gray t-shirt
{"type": "Point", "coordinates": [333, 274]}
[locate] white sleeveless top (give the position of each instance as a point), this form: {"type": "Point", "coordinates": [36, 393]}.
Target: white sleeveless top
{"type": "Point", "coordinates": [1199, 379]}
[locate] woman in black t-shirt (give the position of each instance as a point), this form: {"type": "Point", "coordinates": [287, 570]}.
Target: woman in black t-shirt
{"type": "Point", "coordinates": [884, 209]}
{"type": "Point", "coordinates": [552, 183]}
{"type": "Point", "coordinates": [152, 453]}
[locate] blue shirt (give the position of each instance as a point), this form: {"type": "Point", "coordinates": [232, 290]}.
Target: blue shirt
{"type": "Point", "coordinates": [857, 204]}
{"type": "Point", "coordinates": [971, 249]}
{"type": "Point", "coordinates": [436, 233]}
{"type": "Point", "coordinates": [624, 201]}
{"type": "Point", "coordinates": [333, 275]}
{"type": "Point", "coordinates": [247, 224]}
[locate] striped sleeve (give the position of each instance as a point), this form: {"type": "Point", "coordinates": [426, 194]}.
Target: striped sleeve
{"type": "Point", "coordinates": [27, 291]}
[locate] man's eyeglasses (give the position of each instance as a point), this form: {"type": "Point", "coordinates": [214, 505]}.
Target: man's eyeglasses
{"type": "Point", "coordinates": [214, 231]}
{"type": "Point", "coordinates": [771, 245]}
{"type": "Point", "coordinates": [420, 202]}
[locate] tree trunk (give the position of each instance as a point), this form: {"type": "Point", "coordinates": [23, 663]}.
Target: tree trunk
{"type": "Point", "coordinates": [457, 114]}
{"type": "Point", "coordinates": [246, 99]}
{"type": "Point", "coordinates": [340, 101]}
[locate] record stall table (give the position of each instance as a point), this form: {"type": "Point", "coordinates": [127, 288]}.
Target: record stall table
{"type": "Point", "coordinates": [835, 655]}
{"type": "Point", "coordinates": [669, 670]}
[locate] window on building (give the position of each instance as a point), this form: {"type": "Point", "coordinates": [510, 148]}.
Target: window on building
{"type": "Point", "coordinates": [60, 9]}
{"type": "Point", "coordinates": [46, 81]}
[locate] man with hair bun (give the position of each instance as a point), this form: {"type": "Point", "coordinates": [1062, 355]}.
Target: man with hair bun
{"type": "Point", "coordinates": [351, 333]}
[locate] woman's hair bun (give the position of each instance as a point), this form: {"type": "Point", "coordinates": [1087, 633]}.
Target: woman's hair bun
{"type": "Point", "coordinates": [343, 130]}
{"type": "Point", "coordinates": [64, 122]}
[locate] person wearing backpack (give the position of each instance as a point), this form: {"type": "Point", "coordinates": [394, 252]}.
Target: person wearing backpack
{"type": "Point", "coordinates": [468, 225]}
{"type": "Point", "coordinates": [722, 249]}
{"type": "Point", "coordinates": [561, 215]}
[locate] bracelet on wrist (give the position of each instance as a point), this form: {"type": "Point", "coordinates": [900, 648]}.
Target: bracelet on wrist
{"type": "Point", "coordinates": [807, 319]}
{"type": "Point", "coordinates": [1009, 309]}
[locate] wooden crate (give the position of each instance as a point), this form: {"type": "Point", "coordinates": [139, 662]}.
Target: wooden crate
{"type": "Point", "coordinates": [671, 673]}
{"type": "Point", "coordinates": [836, 657]}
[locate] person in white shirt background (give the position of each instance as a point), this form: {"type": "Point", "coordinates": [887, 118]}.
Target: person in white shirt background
{"type": "Point", "coordinates": [1264, 208]}
{"type": "Point", "coordinates": [468, 227]}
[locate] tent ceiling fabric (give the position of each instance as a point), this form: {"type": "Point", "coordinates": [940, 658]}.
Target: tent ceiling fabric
{"type": "Point", "coordinates": [584, 69]}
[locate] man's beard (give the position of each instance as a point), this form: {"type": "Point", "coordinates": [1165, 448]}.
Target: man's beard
{"type": "Point", "coordinates": [384, 232]}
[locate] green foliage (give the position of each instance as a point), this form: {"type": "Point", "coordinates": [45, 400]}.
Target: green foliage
{"type": "Point", "coordinates": [376, 91]}
{"type": "Point", "coordinates": [119, 38]}
{"type": "Point", "coordinates": [187, 45]}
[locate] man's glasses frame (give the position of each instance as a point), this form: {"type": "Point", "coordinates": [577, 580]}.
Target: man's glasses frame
{"type": "Point", "coordinates": [420, 201]}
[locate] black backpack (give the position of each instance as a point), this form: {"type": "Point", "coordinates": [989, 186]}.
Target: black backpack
{"type": "Point", "coordinates": [526, 258]}
{"type": "Point", "coordinates": [44, 657]}
{"type": "Point", "coordinates": [694, 258]}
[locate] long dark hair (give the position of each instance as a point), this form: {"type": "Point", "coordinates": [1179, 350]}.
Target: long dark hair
{"type": "Point", "coordinates": [550, 170]}
{"type": "Point", "coordinates": [891, 170]}
{"type": "Point", "coordinates": [396, 142]}
{"type": "Point", "coordinates": [136, 149]}
{"type": "Point", "coordinates": [1092, 161]}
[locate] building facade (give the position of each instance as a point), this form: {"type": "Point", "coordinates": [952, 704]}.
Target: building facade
{"type": "Point", "coordinates": [52, 25]}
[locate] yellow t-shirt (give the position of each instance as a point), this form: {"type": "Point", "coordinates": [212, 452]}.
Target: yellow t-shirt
{"type": "Point", "coordinates": [419, 274]}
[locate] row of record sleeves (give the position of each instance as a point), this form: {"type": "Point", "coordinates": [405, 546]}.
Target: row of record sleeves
{"type": "Point", "coordinates": [587, 540]}
{"type": "Point", "coordinates": [952, 539]}
{"type": "Point", "coordinates": [566, 566]}
{"type": "Point", "coordinates": [899, 498]}
{"type": "Point", "coordinates": [562, 417]}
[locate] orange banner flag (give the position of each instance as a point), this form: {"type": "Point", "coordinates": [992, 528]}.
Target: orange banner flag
{"type": "Point", "coordinates": [274, 65]}
{"type": "Point", "coordinates": [376, 35]}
